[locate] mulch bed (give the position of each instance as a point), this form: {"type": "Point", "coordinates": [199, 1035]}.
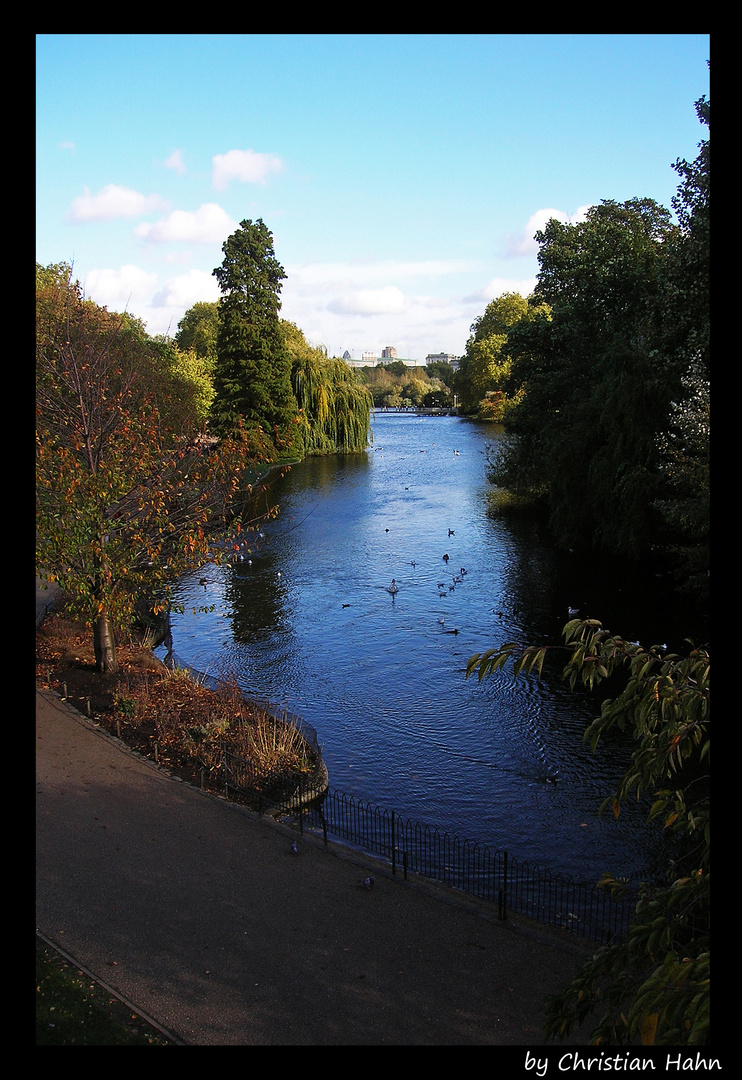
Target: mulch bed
{"type": "Point", "coordinates": [153, 712]}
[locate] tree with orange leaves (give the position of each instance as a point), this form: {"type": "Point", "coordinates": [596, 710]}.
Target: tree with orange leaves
{"type": "Point", "coordinates": [126, 501]}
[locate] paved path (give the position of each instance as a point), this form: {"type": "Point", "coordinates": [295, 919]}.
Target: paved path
{"type": "Point", "coordinates": [196, 910]}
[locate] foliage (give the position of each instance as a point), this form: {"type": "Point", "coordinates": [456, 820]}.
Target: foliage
{"type": "Point", "coordinates": [442, 370]}
{"type": "Point", "coordinates": [597, 386]}
{"type": "Point", "coordinates": [334, 406]}
{"type": "Point", "coordinates": [611, 429]}
{"type": "Point", "coordinates": [394, 385]}
{"type": "Point", "coordinates": [126, 497]}
{"type": "Point", "coordinates": [655, 986]}
{"type": "Point", "coordinates": [252, 377]}
{"type": "Point", "coordinates": [182, 382]}
{"type": "Point", "coordinates": [484, 374]}
{"type": "Point", "coordinates": [688, 314]}
{"type": "Point", "coordinates": [198, 330]}
{"type": "Point", "coordinates": [684, 500]}
{"type": "Point", "coordinates": [684, 447]}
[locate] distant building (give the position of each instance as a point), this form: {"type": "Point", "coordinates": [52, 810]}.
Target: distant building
{"type": "Point", "coordinates": [400, 360]}
{"type": "Point", "coordinates": [446, 358]}
{"type": "Point", "coordinates": [372, 359]}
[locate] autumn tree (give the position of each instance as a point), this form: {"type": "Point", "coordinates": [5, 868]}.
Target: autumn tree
{"type": "Point", "coordinates": [653, 987]}
{"type": "Point", "coordinates": [125, 501]}
{"type": "Point", "coordinates": [252, 377]}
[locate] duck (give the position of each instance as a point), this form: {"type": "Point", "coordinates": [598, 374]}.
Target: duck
{"type": "Point", "coordinates": [393, 588]}
{"type": "Point", "coordinates": [572, 611]}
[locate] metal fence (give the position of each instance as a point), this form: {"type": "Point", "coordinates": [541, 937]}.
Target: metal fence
{"type": "Point", "coordinates": [411, 847]}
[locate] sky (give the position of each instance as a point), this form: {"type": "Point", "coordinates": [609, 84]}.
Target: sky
{"type": "Point", "coordinates": [402, 176]}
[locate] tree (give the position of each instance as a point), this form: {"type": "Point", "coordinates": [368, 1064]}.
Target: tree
{"type": "Point", "coordinates": [198, 330]}
{"type": "Point", "coordinates": [655, 986]}
{"type": "Point", "coordinates": [486, 365]}
{"type": "Point", "coordinates": [597, 385]}
{"type": "Point", "coordinates": [334, 406]}
{"type": "Point", "coordinates": [252, 377]}
{"type": "Point", "coordinates": [688, 318]}
{"type": "Point", "coordinates": [684, 447]}
{"type": "Point", "coordinates": [442, 370]}
{"type": "Point", "coordinates": [125, 501]}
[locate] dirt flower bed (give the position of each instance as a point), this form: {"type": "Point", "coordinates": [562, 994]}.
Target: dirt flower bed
{"type": "Point", "coordinates": [168, 714]}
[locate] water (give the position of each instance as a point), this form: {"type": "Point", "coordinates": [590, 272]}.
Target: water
{"type": "Point", "coordinates": [312, 627]}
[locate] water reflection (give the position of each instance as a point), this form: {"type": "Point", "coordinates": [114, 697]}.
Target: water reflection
{"type": "Point", "coordinates": [310, 625]}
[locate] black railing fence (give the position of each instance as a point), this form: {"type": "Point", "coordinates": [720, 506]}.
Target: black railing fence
{"type": "Point", "coordinates": [411, 847]}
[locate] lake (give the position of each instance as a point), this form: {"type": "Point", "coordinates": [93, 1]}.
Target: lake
{"type": "Point", "coordinates": [311, 626]}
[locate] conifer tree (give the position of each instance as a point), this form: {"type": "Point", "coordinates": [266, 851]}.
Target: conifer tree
{"type": "Point", "coordinates": [252, 378]}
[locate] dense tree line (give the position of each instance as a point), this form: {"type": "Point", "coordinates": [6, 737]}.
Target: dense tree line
{"type": "Point", "coordinates": [602, 377]}
{"type": "Point", "coordinates": [609, 428]}
{"type": "Point", "coordinates": [147, 448]}
{"type": "Point", "coordinates": [394, 385]}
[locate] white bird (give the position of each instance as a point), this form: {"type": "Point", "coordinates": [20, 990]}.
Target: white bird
{"type": "Point", "coordinates": [367, 883]}
{"type": "Point", "coordinates": [294, 847]}
{"type": "Point", "coordinates": [571, 611]}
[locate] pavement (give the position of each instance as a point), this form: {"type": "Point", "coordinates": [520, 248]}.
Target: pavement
{"type": "Point", "coordinates": [196, 911]}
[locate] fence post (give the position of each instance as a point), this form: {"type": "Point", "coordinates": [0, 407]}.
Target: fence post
{"type": "Point", "coordinates": [394, 848]}
{"type": "Point", "coordinates": [505, 886]}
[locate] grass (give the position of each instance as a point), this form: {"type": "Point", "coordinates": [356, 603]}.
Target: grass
{"type": "Point", "coordinates": [74, 1010]}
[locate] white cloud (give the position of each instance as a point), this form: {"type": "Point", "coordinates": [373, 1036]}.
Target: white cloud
{"type": "Point", "coordinates": [245, 165]}
{"type": "Point", "coordinates": [120, 290]}
{"type": "Point", "coordinates": [364, 304]}
{"type": "Point", "coordinates": [386, 301]}
{"type": "Point", "coordinates": [341, 275]}
{"type": "Point", "coordinates": [175, 161]}
{"type": "Point", "coordinates": [526, 244]}
{"type": "Point", "coordinates": [160, 306]}
{"type": "Point", "coordinates": [186, 290]}
{"type": "Point", "coordinates": [207, 225]}
{"type": "Point", "coordinates": [112, 202]}
{"type": "Point", "coordinates": [498, 285]}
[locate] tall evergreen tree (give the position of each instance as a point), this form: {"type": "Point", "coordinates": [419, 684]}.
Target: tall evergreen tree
{"type": "Point", "coordinates": [252, 378]}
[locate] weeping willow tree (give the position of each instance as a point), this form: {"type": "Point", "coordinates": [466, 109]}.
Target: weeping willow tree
{"type": "Point", "coordinates": [335, 408]}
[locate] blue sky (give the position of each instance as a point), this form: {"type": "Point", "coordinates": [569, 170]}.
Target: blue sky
{"type": "Point", "coordinates": [402, 176]}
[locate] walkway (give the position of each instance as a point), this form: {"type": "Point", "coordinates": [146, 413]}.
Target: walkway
{"type": "Point", "coordinates": [197, 911]}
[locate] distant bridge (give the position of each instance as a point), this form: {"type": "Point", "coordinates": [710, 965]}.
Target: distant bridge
{"type": "Point", "coordinates": [442, 410]}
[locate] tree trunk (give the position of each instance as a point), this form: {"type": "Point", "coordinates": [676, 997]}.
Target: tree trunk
{"type": "Point", "coordinates": [104, 643]}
